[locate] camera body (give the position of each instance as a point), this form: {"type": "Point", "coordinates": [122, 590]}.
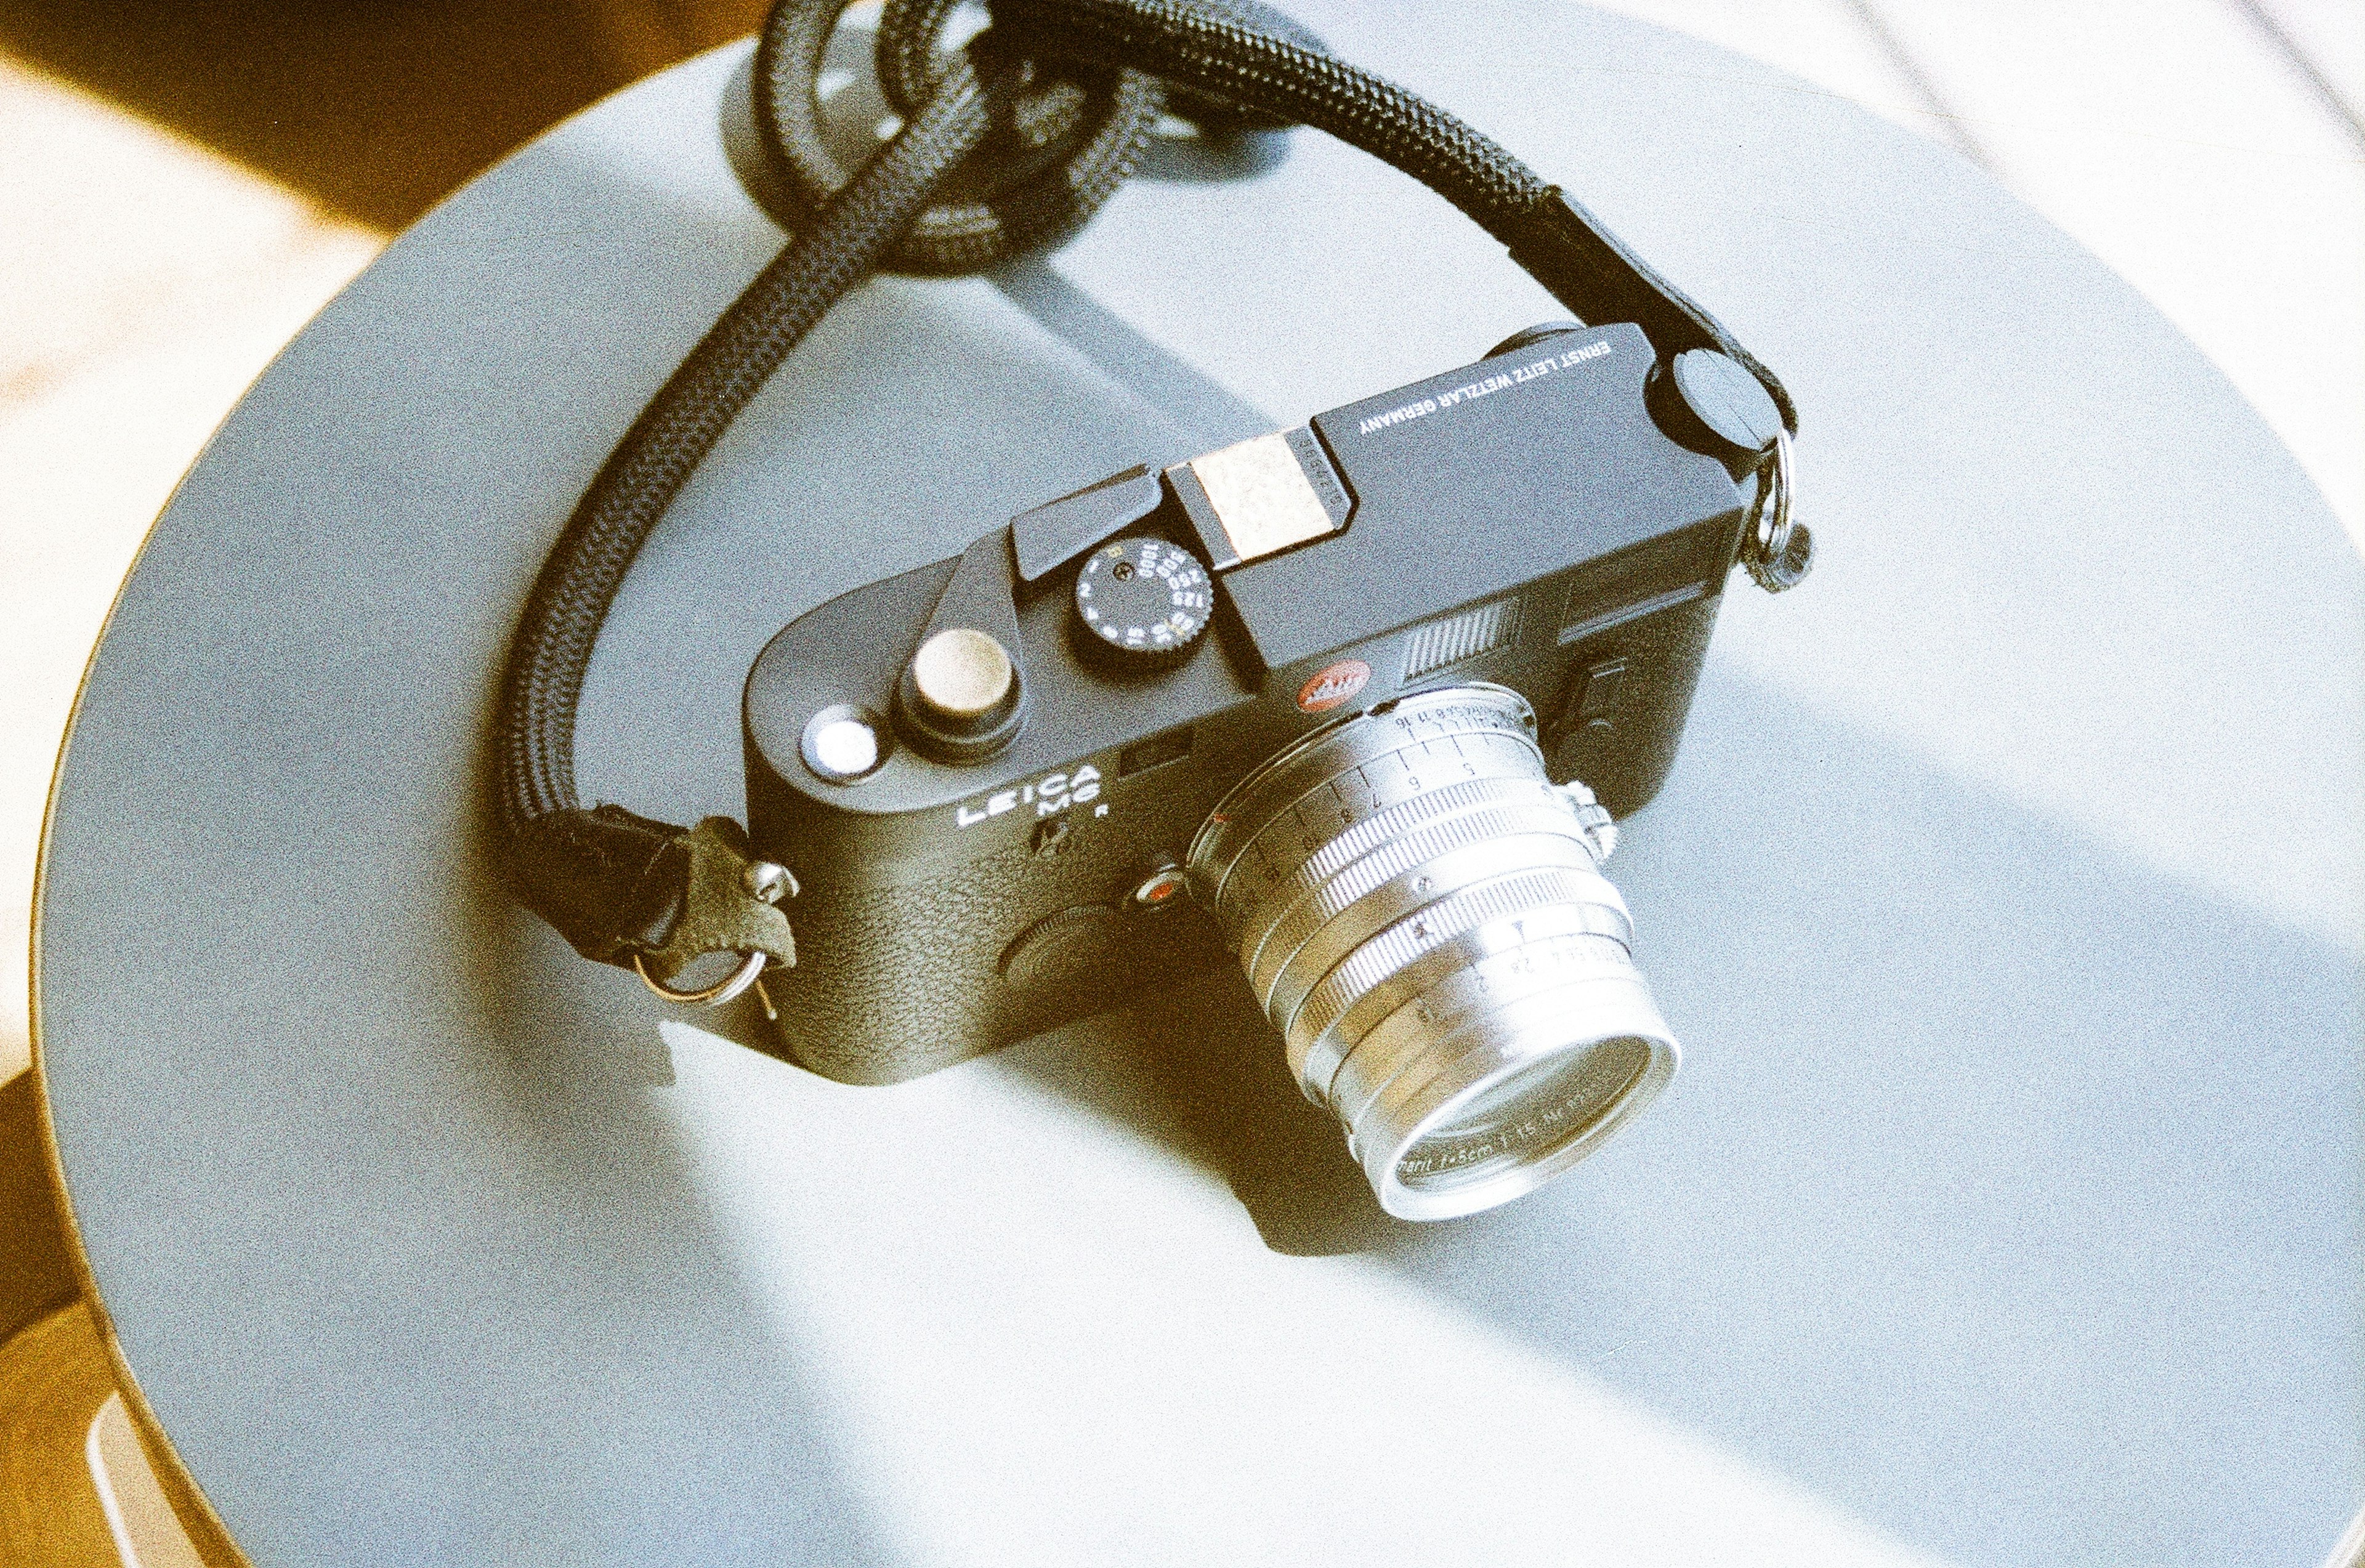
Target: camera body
{"type": "Point", "coordinates": [987, 773]}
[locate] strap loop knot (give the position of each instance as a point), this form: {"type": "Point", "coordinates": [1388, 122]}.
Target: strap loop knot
{"type": "Point", "coordinates": [1068, 133]}
{"type": "Point", "coordinates": [1059, 147]}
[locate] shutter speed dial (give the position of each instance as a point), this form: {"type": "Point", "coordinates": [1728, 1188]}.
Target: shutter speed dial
{"type": "Point", "coordinates": [1143, 602]}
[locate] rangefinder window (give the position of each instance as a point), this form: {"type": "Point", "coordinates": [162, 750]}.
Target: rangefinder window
{"type": "Point", "coordinates": [1658, 574]}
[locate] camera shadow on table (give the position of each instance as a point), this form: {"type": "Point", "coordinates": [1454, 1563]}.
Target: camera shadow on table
{"type": "Point", "coordinates": [1970, 1102]}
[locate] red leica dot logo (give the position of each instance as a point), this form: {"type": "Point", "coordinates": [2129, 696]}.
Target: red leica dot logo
{"type": "Point", "coordinates": [1333, 684]}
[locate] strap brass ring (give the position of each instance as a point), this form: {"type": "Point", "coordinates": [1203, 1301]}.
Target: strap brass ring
{"type": "Point", "coordinates": [751, 965]}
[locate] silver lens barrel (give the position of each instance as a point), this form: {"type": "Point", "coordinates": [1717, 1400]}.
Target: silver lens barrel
{"type": "Point", "coordinates": [1420, 912]}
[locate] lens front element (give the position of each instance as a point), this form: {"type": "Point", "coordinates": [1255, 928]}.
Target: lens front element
{"type": "Point", "coordinates": [1421, 915]}
{"type": "Point", "coordinates": [1524, 1116]}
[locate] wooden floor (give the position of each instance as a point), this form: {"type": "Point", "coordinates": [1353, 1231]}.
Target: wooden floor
{"type": "Point", "coordinates": [54, 1378]}
{"type": "Point", "coordinates": [166, 224]}
{"type": "Point", "coordinates": [77, 1487]}
{"type": "Point", "coordinates": [187, 185]}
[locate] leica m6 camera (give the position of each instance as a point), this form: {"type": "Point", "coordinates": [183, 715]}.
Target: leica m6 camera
{"type": "Point", "coordinates": [1352, 706]}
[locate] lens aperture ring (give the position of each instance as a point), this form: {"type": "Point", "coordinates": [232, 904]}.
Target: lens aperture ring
{"type": "Point", "coordinates": [1465, 999]}
{"type": "Point", "coordinates": [1359, 993]}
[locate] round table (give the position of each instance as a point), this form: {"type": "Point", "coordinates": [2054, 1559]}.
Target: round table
{"type": "Point", "coordinates": [2004, 898]}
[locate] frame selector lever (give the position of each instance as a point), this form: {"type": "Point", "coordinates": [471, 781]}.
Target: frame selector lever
{"type": "Point", "coordinates": [1056, 532]}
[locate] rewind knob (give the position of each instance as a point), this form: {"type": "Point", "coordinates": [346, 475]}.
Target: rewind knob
{"type": "Point", "coordinates": [1143, 602]}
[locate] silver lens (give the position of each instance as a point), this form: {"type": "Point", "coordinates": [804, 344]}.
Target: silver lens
{"type": "Point", "coordinates": [1421, 915]}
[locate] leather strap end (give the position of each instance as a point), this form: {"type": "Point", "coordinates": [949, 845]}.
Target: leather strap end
{"type": "Point", "coordinates": [720, 913]}
{"type": "Point", "coordinates": [612, 883]}
{"type": "Point", "coordinates": [1587, 268]}
{"type": "Point", "coordinates": [621, 887]}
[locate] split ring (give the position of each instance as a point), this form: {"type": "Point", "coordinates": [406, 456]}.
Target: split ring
{"type": "Point", "coordinates": [751, 965]}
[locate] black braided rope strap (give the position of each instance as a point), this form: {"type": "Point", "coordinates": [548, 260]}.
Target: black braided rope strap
{"type": "Point", "coordinates": [1060, 148]}
{"type": "Point", "coordinates": [1010, 143]}
{"type": "Point", "coordinates": [615, 884]}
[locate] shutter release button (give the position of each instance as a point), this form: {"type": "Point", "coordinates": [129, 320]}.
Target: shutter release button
{"type": "Point", "coordinates": [958, 699]}
{"type": "Point", "coordinates": [961, 674]}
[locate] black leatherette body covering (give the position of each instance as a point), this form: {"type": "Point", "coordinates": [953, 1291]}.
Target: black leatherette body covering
{"type": "Point", "coordinates": [894, 983]}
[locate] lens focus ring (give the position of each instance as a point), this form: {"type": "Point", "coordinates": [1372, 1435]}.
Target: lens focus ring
{"type": "Point", "coordinates": [1296, 911]}
{"type": "Point", "coordinates": [1276, 857]}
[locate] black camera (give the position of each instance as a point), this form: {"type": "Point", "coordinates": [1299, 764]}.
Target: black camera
{"type": "Point", "coordinates": [1353, 705]}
